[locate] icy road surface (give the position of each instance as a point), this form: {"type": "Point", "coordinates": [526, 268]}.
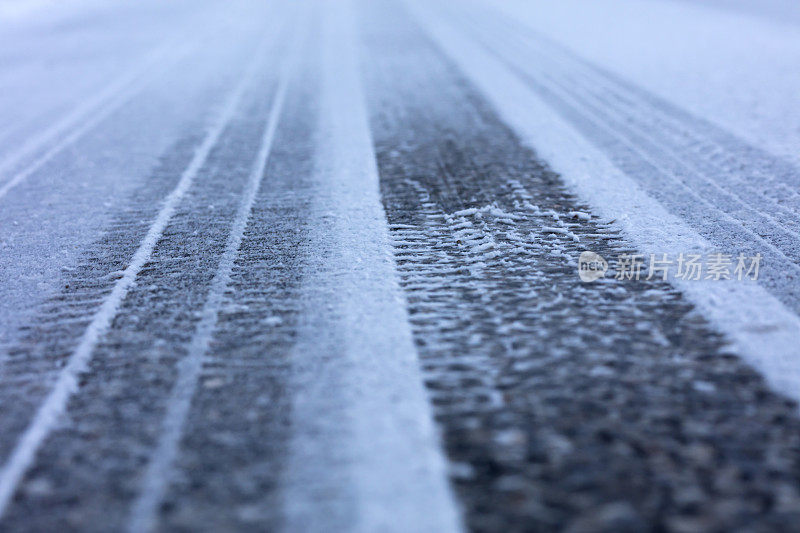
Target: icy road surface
{"type": "Point", "coordinates": [313, 266]}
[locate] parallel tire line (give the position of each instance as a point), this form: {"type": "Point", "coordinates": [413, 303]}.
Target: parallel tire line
{"type": "Point", "coordinates": [242, 389]}
{"type": "Point", "coordinates": [700, 139]}
{"type": "Point", "coordinates": [157, 474]}
{"type": "Point", "coordinates": [105, 102]}
{"type": "Point", "coordinates": [678, 166]}
{"type": "Point", "coordinates": [610, 183]}
{"type": "Point", "coordinates": [699, 133]}
{"type": "Point", "coordinates": [102, 105]}
{"type": "Point", "coordinates": [363, 454]}
{"type": "Point", "coordinates": [552, 376]}
{"type": "Point", "coordinates": [637, 126]}
{"type": "Point", "coordinates": [581, 95]}
{"type": "Point", "coordinates": [50, 411]}
{"type": "Point", "coordinates": [733, 221]}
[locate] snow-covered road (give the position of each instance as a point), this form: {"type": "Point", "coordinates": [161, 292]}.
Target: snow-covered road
{"type": "Point", "coordinates": [314, 266]}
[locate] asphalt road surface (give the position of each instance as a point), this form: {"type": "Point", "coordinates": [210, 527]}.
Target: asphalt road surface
{"type": "Point", "coordinates": [317, 266]}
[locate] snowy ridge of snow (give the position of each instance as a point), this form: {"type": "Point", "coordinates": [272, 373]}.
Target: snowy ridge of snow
{"type": "Point", "coordinates": [364, 451]}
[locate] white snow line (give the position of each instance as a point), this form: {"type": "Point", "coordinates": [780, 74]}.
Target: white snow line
{"type": "Point", "coordinates": [144, 511]}
{"type": "Point", "coordinates": [364, 454]}
{"type": "Point", "coordinates": [669, 152]}
{"type": "Point", "coordinates": [761, 329]}
{"type": "Point", "coordinates": [48, 414]}
{"type": "Point", "coordinates": [633, 101]}
{"type": "Point", "coordinates": [92, 112]}
{"type": "Point", "coordinates": [614, 127]}
{"type": "Point", "coordinates": [608, 125]}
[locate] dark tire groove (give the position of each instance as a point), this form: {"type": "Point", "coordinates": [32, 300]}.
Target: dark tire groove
{"type": "Point", "coordinates": [234, 443]}
{"type": "Point", "coordinates": [564, 406]}
{"type": "Point", "coordinates": [87, 471]}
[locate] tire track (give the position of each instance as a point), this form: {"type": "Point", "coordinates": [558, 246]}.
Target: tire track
{"type": "Point", "coordinates": [363, 454]}
{"type": "Point", "coordinates": [94, 110]}
{"type": "Point", "coordinates": [88, 115]}
{"type": "Point", "coordinates": [78, 360]}
{"type": "Point", "coordinates": [234, 442]}
{"type": "Point", "coordinates": [719, 148]}
{"type": "Point", "coordinates": [159, 469]}
{"type": "Point", "coordinates": [47, 342]}
{"type": "Point", "coordinates": [739, 164]}
{"type": "Point", "coordinates": [637, 128]}
{"type": "Point", "coordinates": [736, 227]}
{"type": "Point", "coordinates": [564, 406]}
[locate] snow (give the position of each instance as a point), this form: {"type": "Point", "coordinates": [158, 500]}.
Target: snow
{"type": "Point", "coordinates": [760, 328]}
{"type": "Point", "coordinates": [50, 217]}
{"type": "Point", "coordinates": [14, 10]}
{"type": "Point", "coordinates": [157, 475]}
{"type": "Point", "coordinates": [580, 215]}
{"type": "Point", "coordinates": [729, 67]}
{"type": "Point", "coordinates": [48, 415]}
{"type": "Point", "coordinates": [363, 434]}
{"type": "Point", "coordinates": [362, 426]}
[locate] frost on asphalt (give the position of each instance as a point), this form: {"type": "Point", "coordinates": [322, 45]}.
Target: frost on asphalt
{"type": "Point", "coordinates": [316, 266]}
